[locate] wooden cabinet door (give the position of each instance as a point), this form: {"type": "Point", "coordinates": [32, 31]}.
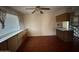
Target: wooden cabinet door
{"type": "Point", "coordinates": [12, 43]}
{"type": "Point", "coordinates": [4, 46]}
{"type": "Point", "coordinates": [59, 34]}
{"type": "Point", "coordinates": [68, 35]}
{"type": "Point", "coordinates": [63, 17]}
{"type": "Point", "coordinates": [64, 35]}
{"type": "Point", "coordinates": [20, 39]}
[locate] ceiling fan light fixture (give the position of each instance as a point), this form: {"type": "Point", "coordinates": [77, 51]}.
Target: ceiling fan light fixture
{"type": "Point", "coordinates": [33, 12]}
{"type": "Point", "coordinates": [38, 9]}
{"type": "Point", "coordinates": [41, 12]}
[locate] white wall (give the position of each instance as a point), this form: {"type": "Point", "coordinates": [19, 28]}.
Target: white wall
{"type": "Point", "coordinates": [40, 24]}
{"type": "Point", "coordinates": [33, 23]}
{"type": "Point", "coordinates": [44, 24]}
{"type": "Point", "coordinates": [48, 24]}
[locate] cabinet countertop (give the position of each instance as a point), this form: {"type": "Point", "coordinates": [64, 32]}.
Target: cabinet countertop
{"type": "Point", "coordinates": [9, 35]}
{"type": "Point", "coordinates": [62, 29]}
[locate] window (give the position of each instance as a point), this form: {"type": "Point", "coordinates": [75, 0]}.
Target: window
{"type": "Point", "coordinates": [11, 24]}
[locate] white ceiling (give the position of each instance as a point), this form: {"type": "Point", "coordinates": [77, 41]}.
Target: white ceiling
{"type": "Point", "coordinates": [23, 9]}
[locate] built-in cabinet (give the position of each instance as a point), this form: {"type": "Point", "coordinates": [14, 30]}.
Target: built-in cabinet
{"type": "Point", "coordinates": [64, 35]}
{"type": "Point", "coordinates": [4, 46]}
{"type": "Point", "coordinates": [63, 17]}
{"type": "Point", "coordinates": [13, 43]}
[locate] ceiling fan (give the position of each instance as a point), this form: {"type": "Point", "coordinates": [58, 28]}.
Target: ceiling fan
{"type": "Point", "coordinates": [38, 8]}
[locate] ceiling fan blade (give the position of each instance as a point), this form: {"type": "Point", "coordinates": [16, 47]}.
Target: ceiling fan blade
{"type": "Point", "coordinates": [45, 8]}
{"type": "Point", "coordinates": [33, 12]}
{"type": "Point", "coordinates": [41, 12]}
{"type": "Point", "coordinates": [29, 8]}
{"type": "Point", "coordinates": [37, 6]}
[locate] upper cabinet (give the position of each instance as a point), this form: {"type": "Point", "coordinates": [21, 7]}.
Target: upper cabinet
{"type": "Point", "coordinates": [63, 17]}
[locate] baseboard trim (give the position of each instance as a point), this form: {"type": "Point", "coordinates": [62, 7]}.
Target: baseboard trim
{"type": "Point", "coordinates": [44, 36]}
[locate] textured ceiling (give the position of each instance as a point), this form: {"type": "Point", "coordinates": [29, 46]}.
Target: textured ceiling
{"type": "Point", "coordinates": [23, 9]}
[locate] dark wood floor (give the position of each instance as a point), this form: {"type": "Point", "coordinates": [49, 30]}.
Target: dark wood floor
{"type": "Point", "coordinates": [45, 44]}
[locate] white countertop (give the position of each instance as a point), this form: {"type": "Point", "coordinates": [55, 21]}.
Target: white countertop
{"type": "Point", "coordinates": [62, 29]}
{"type": "Point", "coordinates": [9, 35]}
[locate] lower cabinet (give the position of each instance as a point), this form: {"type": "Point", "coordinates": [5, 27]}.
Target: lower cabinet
{"type": "Point", "coordinates": [64, 35]}
{"type": "Point", "coordinates": [21, 37]}
{"type": "Point", "coordinates": [4, 46]}
{"type": "Point", "coordinates": [13, 43]}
